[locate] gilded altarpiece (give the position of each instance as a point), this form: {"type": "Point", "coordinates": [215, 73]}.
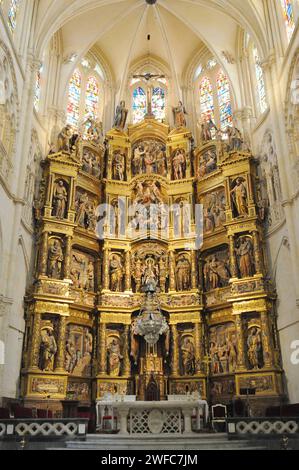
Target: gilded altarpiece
{"type": "Point", "coordinates": [113, 218]}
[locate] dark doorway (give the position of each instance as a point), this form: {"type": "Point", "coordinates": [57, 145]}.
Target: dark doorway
{"type": "Point", "coordinates": [152, 391]}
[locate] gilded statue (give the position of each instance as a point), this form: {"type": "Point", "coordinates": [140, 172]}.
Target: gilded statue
{"type": "Point", "coordinates": [114, 357]}
{"type": "Point", "coordinates": [48, 349]}
{"type": "Point", "coordinates": [179, 114]}
{"type": "Point", "coordinates": [206, 129]}
{"type": "Point", "coordinates": [121, 115]}
{"type": "Point", "coordinates": [55, 260]}
{"type": "Point", "coordinates": [93, 130]}
{"type": "Point", "coordinates": [235, 139]}
{"type": "Point", "coordinates": [116, 273]}
{"type": "Point", "coordinates": [134, 347]}
{"type": "Point", "coordinates": [64, 139]}
{"type": "Point", "coordinates": [216, 273]}
{"type": "Point", "coordinates": [188, 356]}
{"type": "Point", "coordinates": [118, 165]}
{"type": "Point", "coordinates": [179, 164]}
{"type": "Point", "coordinates": [60, 200]}
{"type": "Point", "coordinates": [245, 257]}
{"type": "Point", "coordinates": [183, 274]}
{"type": "Point", "coordinates": [254, 348]}
{"type": "Point", "coordinates": [240, 198]}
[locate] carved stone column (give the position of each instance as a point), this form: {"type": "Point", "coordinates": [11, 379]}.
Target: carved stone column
{"type": "Point", "coordinates": [198, 346]}
{"type": "Point", "coordinates": [175, 351]}
{"type": "Point", "coordinates": [68, 257]}
{"type": "Point", "coordinates": [102, 349]}
{"type": "Point", "coordinates": [232, 257]}
{"type": "Point", "coordinates": [61, 345]}
{"type": "Point", "coordinates": [106, 269]}
{"type": "Point", "coordinates": [44, 254]}
{"type": "Point", "coordinates": [194, 283]}
{"type": "Point", "coordinates": [128, 273]}
{"type": "Point", "coordinates": [172, 283]}
{"type": "Point", "coordinates": [240, 342]}
{"type": "Point", "coordinates": [127, 363]}
{"type": "Point", "coordinates": [257, 252]}
{"type": "Point", "coordinates": [35, 341]}
{"type": "Point", "coordinates": [266, 340]}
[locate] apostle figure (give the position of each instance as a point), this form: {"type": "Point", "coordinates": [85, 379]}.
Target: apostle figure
{"type": "Point", "coordinates": [134, 352]}
{"type": "Point", "coordinates": [55, 259]}
{"type": "Point", "coordinates": [244, 252]}
{"type": "Point", "coordinates": [81, 205]}
{"type": "Point", "coordinates": [254, 345]}
{"type": "Point", "coordinates": [120, 116]}
{"type": "Point", "coordinates": [64, 137]}
{"type": "Point", "coordinates": [137, 160]}
{"type": "Point", "coordinates": [118, 166]}
{"type": "Point", "coordinates": [116, 273]}
{"type": "Point", "coordinates": [114, 358]}
{"type": "Point", "coordinates": [188, 357]}
{"type": "Point", "coordinates": [48, 349]}
{"type": "Point", "coordinates": [206, 129]}
{"type": "Point", "coordinates": [183, 274]}
{"type": "Point", "coordinates": [60, 200]}
{"type": "Point", "coordinates": [239, 196]}
{"type": "Point", "coordinates": [235, 140]}
{"type": "Point", "coordinates": [179, 115]}
{"type": "Point", "coordinates": [179, 162]}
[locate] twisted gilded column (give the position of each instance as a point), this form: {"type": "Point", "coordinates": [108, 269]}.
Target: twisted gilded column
{"type": "Point", "coordinates": [172, 283]}
{"type": "Point", "coordinates": [127, 363]}
{"type": "Point", "coordinates": [68, 257]}
{"type": "Point", "coordinates": [267, 346]}
{"type": "Point", "coordinates": [44, 254]}
{"type": "Point", "coordinates": [194, 284]}
{"type": "Point", "coordinates": [102, 355]}
{"type": "Point", "coordinates": [106, 269]}
{"type": "Point", "coordinates": [175, 351]}
{"type": "Point", "coordinates": [128, 271]}
{"type": "Point", "coordinates": [198, 346]}
{"type": "Point", "coordinates": [35, 341]}
{"type": "Point", "coordinates": [240, 340]}
{"type": "Point", "coordinates": [232, 257]}
{"type": "Point", "coordinates": [61, 345]}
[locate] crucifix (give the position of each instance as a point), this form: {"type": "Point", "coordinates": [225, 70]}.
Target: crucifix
{"type": "Point", "coordinates": [148, 77]}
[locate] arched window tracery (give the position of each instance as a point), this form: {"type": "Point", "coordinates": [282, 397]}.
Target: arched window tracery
{"type": "Point", "coordinates": [139, 104]}
{"type": "Point", "coordinates": [224, 100]}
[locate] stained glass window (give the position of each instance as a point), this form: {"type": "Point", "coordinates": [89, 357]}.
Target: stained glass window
{"type": "Point", "coordinates": [12, 14]}
{"type": "Point", "coordinates": [73, 109]}
{"type": "Point", "coordinates": [139, 105]}
{"type": "Point", "coordinates": [158, 103]}
{"type": "Point", "coordinates": [261, 88]}
{"type": "Point", "coordinates": [206, 99]}
{"type": "Point", "coordinates": [92, 98]}
{"type": "Point", "coordinates": [38, 87]}
{"type": "Point", "coordinates": [224, 99]}
{"type": "Point", "coordinates": [288, 13]}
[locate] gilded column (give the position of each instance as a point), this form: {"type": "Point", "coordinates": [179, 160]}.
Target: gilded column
{"type": "Point", "coordinates": [44, 254]}
{"type": "Point", "coordinates": [198, 346]}
{"type": "Point", "coordinates": [240, 340]}
{"type": "Point", "coordinates": [102, 349]}
{"type": "Point", "coordinates": [172, 283]}
{"type": "Point", "coordinates": [106, 269]}
{"type": "Point", "coordinates": [175, 352]}
{"type": "Point", "coordinates": [127, 363]}
{"type": "Point", "coordinates": [128, 271]}
{"type": "Point", "coordinates": [35, 341]}
{"type": "Point", "coordinates": [256, 249]}
{"type": "Point", "coordinates": [61, 345]}
{"type": "Point", "coordinates": [266, 340]}
{"type": "Point", "coordinates": [68, 257]}
{"type": "Point", "coordinates": [232, 257]}
{"type": "Point", "coordinates": [194, 283]}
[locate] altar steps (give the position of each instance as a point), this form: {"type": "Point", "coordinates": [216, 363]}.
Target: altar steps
{"type": "Point", "coordinates": [199, 442]}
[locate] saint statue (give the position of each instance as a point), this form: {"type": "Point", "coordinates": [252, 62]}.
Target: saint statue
{"type": "Point", "coordinates": [245, 257]}
{"type": "Point", "coordinates": [64, 138]}
{"type": "Point", "coordinates": [114, 358]}
{"type": "Point", "coordinates": [81, 205]}
{"type": "Point", "coordinates": [235, 140]}
{"type": "Point", "coordinates": [55, 259]}
{"type": "Point", "coordinates": [179, 164]}
{"type": "Point", "coordinates": [206, 129]}
{"type": "Point", "coordinates": [183, 274]}
{"type": "Point", "coordinates": [254, 345]}
{"type": "Point", "coordinates": [116, 273]}
{"type": "Point", "coordinates": [60, 200]}
{"type": "Point", "coordinates": [134, 344]}
{"type": "Point", "coordinates": [48, 350]}
{"type": "Point", "coordinates": [239, 198]}
{"type": "Point", "coordinates": [179, 115]}
{"type": "Point", "coordinates": [120, 116]}
{"type": "Point", "coordinates": [118, 166]}
{"type": "Point", "coordinates": [188, 357]}
{"type": "Point", "coordinates": [216, 273]}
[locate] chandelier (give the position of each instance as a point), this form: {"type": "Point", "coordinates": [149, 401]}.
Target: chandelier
{"type": "Point", "coordinates": [151, 324]}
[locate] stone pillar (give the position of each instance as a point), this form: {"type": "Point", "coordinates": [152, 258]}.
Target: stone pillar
{"type": "Point", "coordinates": [127, 363]}
{"type": "Point", "coordinates": [123, 418]}
{"type": "Point", "coordinates": [240, 342]}
{"type": "Point", "coordinates": [198, 346]}
{"type": "Point", "coordinates": [257, 252]}
{"type": "Point", "coordinates": [128, 273]}
{"type": "Point", "coordinates": [35, 341]}
{"type": "Point", "coordinates": [44, 254]}
{"type": "Point", "coordinates": [172, 283]}
{"type": "Point", "coordinates": [187, 420]}
{"type": "Point", "coordinates": [175, 352]}
{"type": "Point", "coordinates": [102, 356]}
{"type": "Point", "coordinates": [194, 283]}
{"type": "Point", "coordinates": [232, 257]}
{"type": "Point", "coordinates": [266, 340]}
{"type": "Point", "coordinates": [68, 257]}
{"type": "Point", "coordinates": [106, 269]}
{"type": "Point", "coordinates": [61, 345]}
